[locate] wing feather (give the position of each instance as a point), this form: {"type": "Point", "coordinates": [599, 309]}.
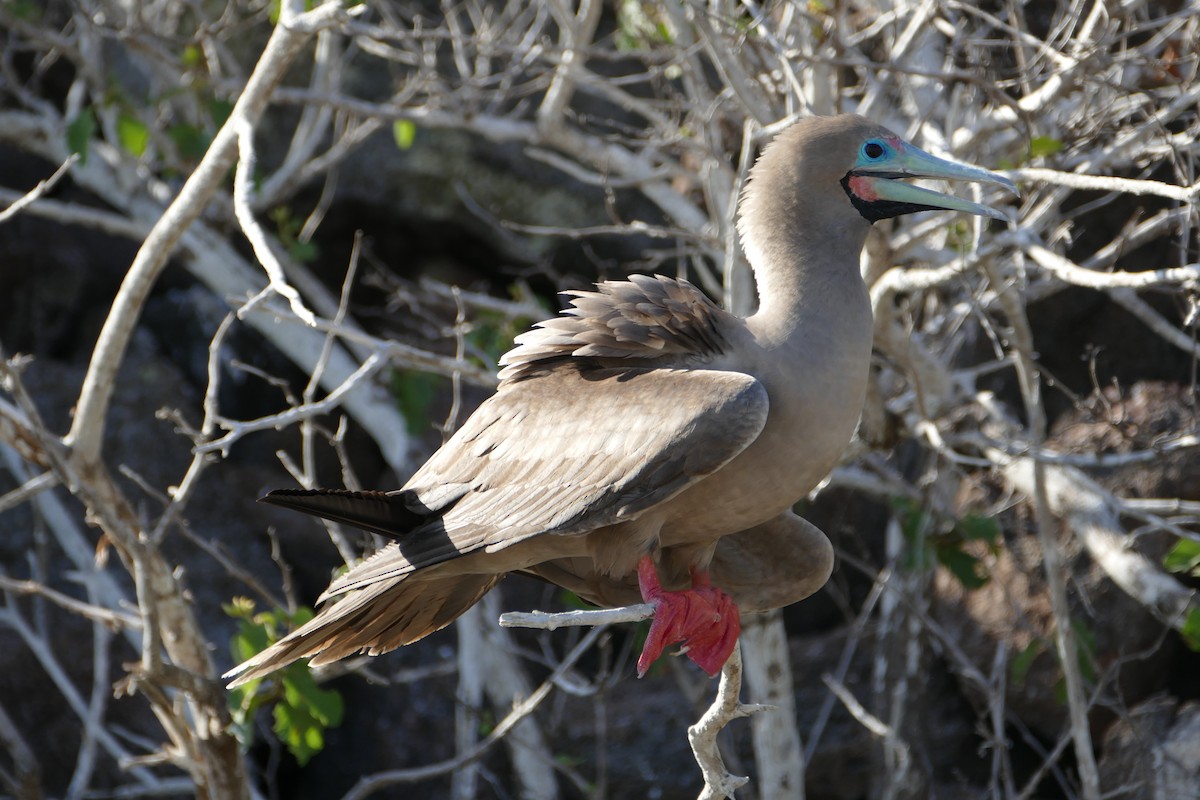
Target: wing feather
{"type": "Point", "coordinates": [580, 457]}
{"type": "Point", "coordinates": [640, 319]}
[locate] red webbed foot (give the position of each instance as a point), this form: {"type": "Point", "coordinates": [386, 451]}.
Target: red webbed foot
{"type": "Point", "coordinates": [704, 618]}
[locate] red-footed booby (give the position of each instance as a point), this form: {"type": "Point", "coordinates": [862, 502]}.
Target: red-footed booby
{"type": "Point", "coordinates": [646, 444]}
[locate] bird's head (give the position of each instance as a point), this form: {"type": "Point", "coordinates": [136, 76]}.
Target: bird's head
{"type": "Point", "coordinates": [819, 185]}
{"type": "Point", "coordinates": [882, 161]}
{"type": "Point", "coordinates": [800, 171]}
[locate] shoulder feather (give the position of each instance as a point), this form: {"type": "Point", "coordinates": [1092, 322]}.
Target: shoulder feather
{"type": "Point", "coordinates": [643, 318]}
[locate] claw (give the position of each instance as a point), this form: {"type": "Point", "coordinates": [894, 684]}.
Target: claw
{"type": "Point", "coordinates": [703, 617]}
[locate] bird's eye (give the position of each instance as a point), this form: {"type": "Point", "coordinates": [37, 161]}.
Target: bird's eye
{"type": "Point", "coordinates": [873, 150]}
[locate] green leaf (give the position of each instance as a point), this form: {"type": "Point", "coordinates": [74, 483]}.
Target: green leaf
{"type": "Point", "coordinates": [976, 527]}
{"type": "Point", "coordinates": [964, 566]}
{"type": "Point", "coordinates": [414, 392]}
{"type": "Point", "coordinates": [404, 131]}
{"type": "Point", "coordinates": [1018, 668]}
{"type": "Point", "coordinates": [80, 132]}
{"type": "Point", "coordinates": [1085, 650]}
{"type": "Point", "coordinates": [191, 56]}
{"type": "Point", "coordinates": [493, 332]}
{"type": "Point", "coordinates": [27, 10]}
{"type": "Point", "coordinates": [302, 250]}
{"type": "Point", "coordinates": [301, 691]}
{"type": "Point", "coordinates": [1184, 558]}
{"type": "Point", "coordinates": [273, 13]}
{"type": "Point", "coordinates": [572, 600]}
{"type": "Point", "coordinates": [915, 521]}
{"type": "Point", "coordinates": [190, 141]}
{"type": "Point", "coordinates": [305, 713]}
{"type": "Point", "coordinates": [249, 641]}
{"type": "Point", "coordinates": [239, 608]}
{"type": "Point", "coordinates": [1190, 630]}
{"type": "Point", "coordinates": [1044, 146]}
{"type": "Point", "coordinates": [133, 135]}
{"type": "Point", "coordinates": [219, 110]}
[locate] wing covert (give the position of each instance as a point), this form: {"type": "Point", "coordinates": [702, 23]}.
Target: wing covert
{"type": "Point", "coordinates": [569, 451]}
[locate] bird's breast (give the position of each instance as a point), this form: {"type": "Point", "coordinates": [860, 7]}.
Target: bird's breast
{"type": "Point", "coordinates": [815, 404]}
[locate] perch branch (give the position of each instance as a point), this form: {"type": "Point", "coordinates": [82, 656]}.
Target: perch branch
{"type": "Point", "coordinates": [718, 783]}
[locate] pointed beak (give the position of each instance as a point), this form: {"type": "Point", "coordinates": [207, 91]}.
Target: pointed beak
{"type": "Point", "coordinates": [882, 182]}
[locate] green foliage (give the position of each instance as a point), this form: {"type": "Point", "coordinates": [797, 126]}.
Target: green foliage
{"type": "Point", "coordinates": [414, 392]}
{"type": "Point", "coordinates": [303, 711]}
{"type": "Point", "coordinates": [1018, 668]}
{"type": "Point", "coordinates": [1190, 630]}
{"type": "Point", "coordinates": [493, 332]}
{"type": "Point", "coordinates": [572, 600]}
{"type": "Point", "coordinates": [640, 26]}
{"type": "Point", "coordinates": [287, 228]}
{"type": "Point", "coordinates": [191, 57]}
{"type": "Point", "coordinates": [1041, 146]}
{"type": "Point", "coordinates": [79, 133]}
{"type": "Point", "coordinates": [27, 10]}
{"type": "Point", "coordinates": [404, 131]}
{"type": "Point", "coordinates": [1184, 558]}
{"type": "Point", "coordinates": [1085, 655]}
{"type": "Point", "coordinates": [944, 541]}
{"type": "Point", "coordinates": [219, 110]}
{"type": "Point", "coordinates": [133, 134]}
{"type": "Point", "coordinates": [190, 141]}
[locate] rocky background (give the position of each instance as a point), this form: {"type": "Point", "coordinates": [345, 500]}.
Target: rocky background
{"type": "Point", "coordinates": [427, 176]}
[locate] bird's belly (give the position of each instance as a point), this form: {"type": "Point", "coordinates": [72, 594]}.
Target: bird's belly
{"type": "Point", "coordinates": [789, 458]}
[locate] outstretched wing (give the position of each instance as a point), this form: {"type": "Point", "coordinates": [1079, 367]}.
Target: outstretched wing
{"type": "Point", "coordinates": [566, 452]}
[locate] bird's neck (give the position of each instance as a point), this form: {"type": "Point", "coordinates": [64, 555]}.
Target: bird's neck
{"type": "Point", "coordinates": [808, 284]}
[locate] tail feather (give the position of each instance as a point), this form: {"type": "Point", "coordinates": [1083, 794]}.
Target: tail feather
{"type": "Point", "coordinates": [373, 620]}
{"type": "Point", "coordinates": [390, 514]}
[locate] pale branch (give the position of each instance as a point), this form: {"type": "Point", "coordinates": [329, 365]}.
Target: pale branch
{"type": "Point", "coordinates": [243, 182]}
{"type": "Point", "coordinates": [1068, 271]}
{"type": "Point", "coordinates": [369, 784]}
{"type": "Point", "coordinates": [1161, 505]}
{"type": "Point", "coordinates": [68, 213]}
{"type": "Point", "coordinates": [1129, 300]}
{"type": "Point", "coordinates": [93, 724]}
{"type": "Point", "coordinates": [778, 751]}
{"type": "Point", "coordinates": [718, 783]}
{"type": "Point", "coordinates": [553, 620]}
{"type": "Point", "coordinates": [399, 352]}
{"type": "Point", "coordinates": [1107, 183]}
{"type": "Point", "coordinates": [236, 430]}
{"type": "Point", "coordinates": [726, 707]}
{"type": "Point", "coordinates": [26, 491]}
{"type": "Point", "coordinates": [1065, 636]}
{"type": "Point", "coordinates": [108, 618]}
{"type": "Point", "coordinates": [26, 781]}
{"type": "Point", "coordinates": [12, 616]}
{"type": "Point", "coordinates": [872, 723]}
{"type": "Point", "coordinates": [16, 206]}
{"type": "Point", "coordinates": [286, 41]}
{"type": "Point", "coordinates": [1093, 516]}
{"type": "Point", "coordinates": [506, 683]}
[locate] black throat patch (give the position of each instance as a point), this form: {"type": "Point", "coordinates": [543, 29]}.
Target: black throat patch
{"type": "Point", "coordinates": [874, 210]}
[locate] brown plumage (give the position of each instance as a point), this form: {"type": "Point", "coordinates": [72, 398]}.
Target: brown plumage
{"type": "Point", "coordinates": [647, 435]}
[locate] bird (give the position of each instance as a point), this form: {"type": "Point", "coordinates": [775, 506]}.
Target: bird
{"type": "Point", "coordinates": [646, 445]}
